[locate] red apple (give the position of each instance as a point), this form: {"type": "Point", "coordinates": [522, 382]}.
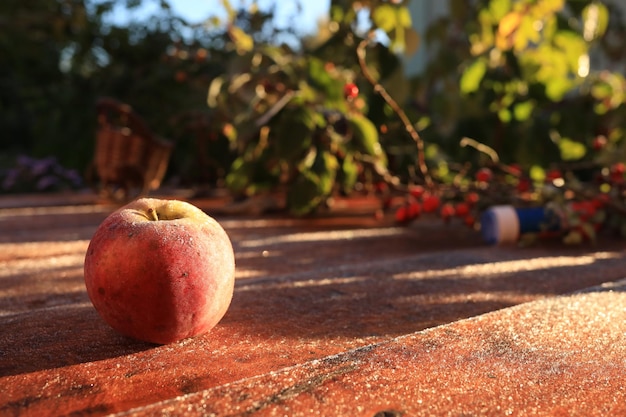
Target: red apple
{"type": "Point", "coordinates": [160, 270]}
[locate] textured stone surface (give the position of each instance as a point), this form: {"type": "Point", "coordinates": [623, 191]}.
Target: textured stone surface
{"type": "Point", "coordinates": [306, 290]}
{"type": "Point", "coordinates": [558, 356]}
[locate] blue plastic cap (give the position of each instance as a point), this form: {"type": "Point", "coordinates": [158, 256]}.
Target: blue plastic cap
{"type": "Point", "coordinates": [500, 224]}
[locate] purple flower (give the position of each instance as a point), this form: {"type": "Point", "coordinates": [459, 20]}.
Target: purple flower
{"type": "Point", "coordinates": [46, 182]}
{"type": "Point", "coordinates": [24, 161]}
{"type": "Point", "coordinates": [41, 166]}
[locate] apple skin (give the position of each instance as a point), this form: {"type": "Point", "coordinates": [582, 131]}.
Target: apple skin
{"type": "Point", "coordinates": [160, 270]}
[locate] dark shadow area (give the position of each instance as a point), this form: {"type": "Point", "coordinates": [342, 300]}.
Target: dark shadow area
{"type": "Point", "coordinates": [57, 337]}
{"type": "Point", "coordinates": [391, 297]}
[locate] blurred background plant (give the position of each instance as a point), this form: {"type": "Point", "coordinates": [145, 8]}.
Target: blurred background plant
{"type": "Point", "coordinates": [58, 56]}
{"type": "Point", "coordinates": [519, 101]}
{"type": "Point", "coordinates": [30, 175]}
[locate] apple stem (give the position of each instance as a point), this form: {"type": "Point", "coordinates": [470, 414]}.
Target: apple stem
{"type": "Point", "coordinates": [153, 214]}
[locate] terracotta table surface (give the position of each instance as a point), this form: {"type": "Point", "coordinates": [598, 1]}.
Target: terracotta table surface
{"type": "Point", "coordinates": [562, 356]}
{"type": "Point", "coordinates": [307, 291]}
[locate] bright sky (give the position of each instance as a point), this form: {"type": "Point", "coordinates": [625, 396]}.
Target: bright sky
{"type": "Point", "coordinates": [196, 11]}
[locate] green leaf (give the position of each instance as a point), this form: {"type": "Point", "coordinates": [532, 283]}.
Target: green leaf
{"type": "Point", "coordinates": [336, 13]}
{"type": "Point", "coordinates": [365, 135]}
{"type": "Point", "coordinates": [349, 173]}
{"type": "Point", "coordinates": [504, 115]}
{"type": "Point", "coordinates": [600, 108]}
{"type": "Point", "coordinates": [557, 87]}
{"type": "Point", "coordinates": [325, 167]}
{"type": "Point", "coordinates": [473, 75]}
{"type": "Point", "coordinates": [293, 133]}
{"type": "Point", "coordinates": [322, 80]}
{"type": "Point", "coordinates": [230, 10]}
{"type": "Point", "coordinates": [312, 186]}
{"type": "Point", "coordinates": [398, 31]}
{"type": "Point", "coordinates": [546, 7]}
{"type": "Point", "coordinates": [403, 16]}
{"type": "Point", "coordinates": [572, 46]}
{"type": "Point", "coordinates": [239, 175]}
{"type": "Point", "coordinates": [384, 17]}
{"type": "Point", "coordinates": [601, 90]}
{"type": "Point", "coordinates": [537, 173]}
{"type": "Point", "coordinates": [571, 150]}
{"type": "Point", "coordinates": [525, 34]}
{"type": "Point", "coordinates": [243, 42]}
{"type": "Point", "coordinates": [397, 41]}
{"type": "Point", "coordinates": [522, 111]}
{"type": "Point", "coordinates": [499, 8]}
{"type": "Point", "coordinates": [303, 195]}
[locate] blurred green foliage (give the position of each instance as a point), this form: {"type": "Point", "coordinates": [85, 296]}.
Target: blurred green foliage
{"type": "Point", "coordinates": [255, 113]}
{"type": "Point", "coordinates": [520, 77]}
{"type": "Point", "coordinates": [528, 78]}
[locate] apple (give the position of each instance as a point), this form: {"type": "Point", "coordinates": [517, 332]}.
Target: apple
{"type": "Point", "coordinates": [160, 270]}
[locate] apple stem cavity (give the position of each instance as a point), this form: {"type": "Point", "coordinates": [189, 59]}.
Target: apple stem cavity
{"type": "Point", "coordinates": [152, 214]}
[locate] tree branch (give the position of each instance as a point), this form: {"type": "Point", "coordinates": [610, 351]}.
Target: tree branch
{"type": "Point", "coordinates": [378, 88]}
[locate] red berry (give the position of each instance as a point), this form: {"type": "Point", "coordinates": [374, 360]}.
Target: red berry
{"type": "Point", "coordinates": [381, 187]}
{"type": "Point", "coordinates": [472, 198]}
{"type": "Point", "coordinates": [617, 178]}
{"type": "Point", "coordinates": [469, 220]}
{"type": "Point", "coordinates": [430, 203]}
{"type": "Point", "coordinates": [515, 169]}
{"type": "Point", "coordinates": [484, 175]}
{"type": "Point", "coordinates": [599, 142]}
{"type": "Point", "coordinates": [553, 174]}
{"type": "Point", "coordinates": [585, 209]}
{"type": "Point", "coordinates": [414, 209]}
{"type": "Point", "coordinates": [416, 191]}
{"type": "Point", "coordinates": [350, 91]}
{"type": "Point", "coordinates": [618, 168]}
{"type": "Point", "coordinates": [447, 211]}
{"type": "Point", "coordinates": [523, 185]}
{"type": "Point", "coordinates": [461, 209]}
{"type": "Point", "coordinates": [601, 200]}
{"type": "Point", "coordinates": [402, 214]}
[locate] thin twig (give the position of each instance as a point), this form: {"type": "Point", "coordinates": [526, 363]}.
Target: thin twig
{"type": "Point", "coordinates": [276, 107]}
{"type": "Point", "coordinates": [421, 158]}
{"type": "Point", "coordinates": [481, 147]}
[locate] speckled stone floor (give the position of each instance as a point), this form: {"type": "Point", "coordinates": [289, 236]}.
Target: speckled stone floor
{"type": "Point", "coordinates": [338, 315]}
{"type": "Point", "coordinates": [559, 356]}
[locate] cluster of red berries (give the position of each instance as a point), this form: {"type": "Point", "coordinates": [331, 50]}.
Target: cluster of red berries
{"type": "Point", "coordinates": [420, 201]}
{"type": "Point", "coordinates": [492, 185]}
